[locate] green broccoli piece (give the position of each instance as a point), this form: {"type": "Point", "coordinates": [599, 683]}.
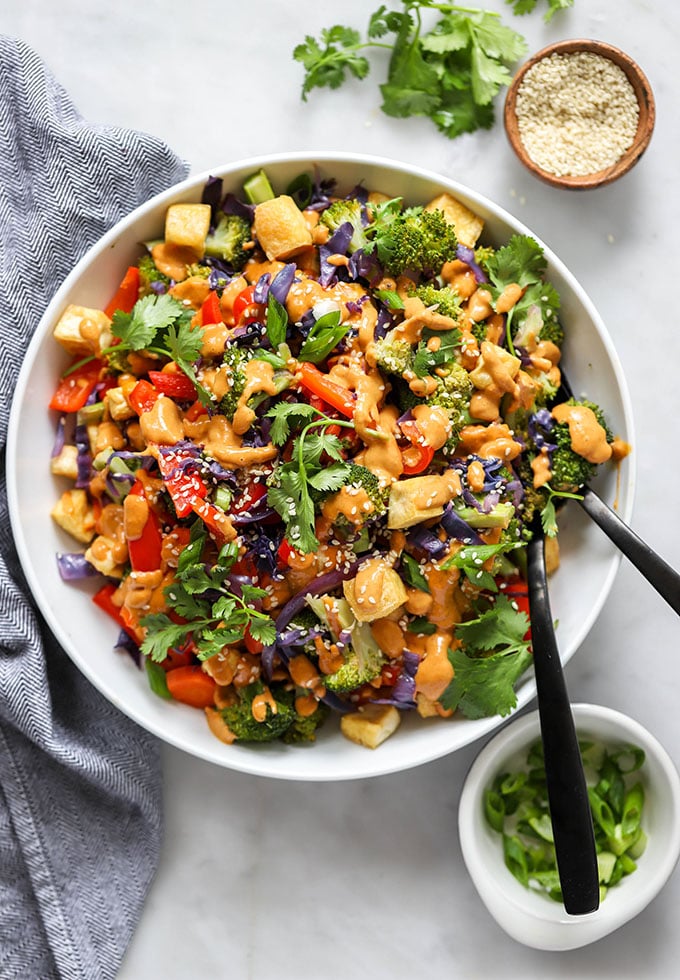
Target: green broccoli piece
{"type": "Point", "coordinates": [239, 717]}
{"type": "Point", "coordinates": [228, 239]}
{"type": "Point", "coordinates": [235, 359]}
{"type": "Point", "coordinates": [453, 393]}
{"type": "Point", "coordinates": [363, 657]}
{"type": "Point", "coordinates": [199, 270]}
{"type": "Point", "coordinates": [393, 356]}
{"type": "Point", "coordinates": [150, 273]}
{"type": "Point", "coordinates": [305, 727]}
{"type": "Point", "coordinates": [413, 241]}
{"type": "Point", "coordinates": [446, 299]}
{"type": "Point", "coordinates": [483, 256]}
{"type": "Point", "coordinates": [341, 212]}
{"type": "Point", "coordinates": [570, 471]}
{"type": "Point", "coordinates": [361, 476]}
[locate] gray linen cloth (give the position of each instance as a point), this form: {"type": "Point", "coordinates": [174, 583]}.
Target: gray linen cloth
{"type": "Point", "coordinates": [80, 787]}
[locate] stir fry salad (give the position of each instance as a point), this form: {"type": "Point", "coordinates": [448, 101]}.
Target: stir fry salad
{"type": "Point", "coordinates": [307, 441]}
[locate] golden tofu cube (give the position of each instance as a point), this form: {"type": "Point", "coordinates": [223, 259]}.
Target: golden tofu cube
{"type": "Point", "coordinates": [376, 592]}
{"type": "Point", "coordinates": [83, 331]}
{"type": "Point", "coordinates": [417, 499]}
{"type": "Point", "coordinates": [118, 405]}
{"type": "Point", "coordinates": [74, 515]}
{"type": "Point", "coordinates": [66, 463]}
{"type": "Point", "coordinates": [280, 228]}
{"type": "Point", "coordinates": [468, 225]}
{"type": "Point", "coordinates": [100, 554]}
{"type": "Point", "coordinates": [187, 225]}
{"type": "Point", "coordinates": [371, 725]}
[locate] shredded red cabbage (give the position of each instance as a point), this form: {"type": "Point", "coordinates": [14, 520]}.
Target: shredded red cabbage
{"type": "Point", "coordinates": [467, 255]}
{"type": "Point", "coordinates": [457, 528]}
{"type": "Point", "coordinates": [74, 566]}
{"type": "Point", "coordinates": [126, 644]}
{"type": "Point", "coordinates": [282, 282]}
{"type": "Point", "coordinates": [59, 436]}
{"type": "Point", "coordinates": [318, 586]}
{"type": "Point", "coordinates": [212, 195]}
{"type": "Point", "coordinates": [337, 244]}
{"type": "Point", "coordinates": [425, 540]}
{"type": "Point", "coordinates": [84, 458]}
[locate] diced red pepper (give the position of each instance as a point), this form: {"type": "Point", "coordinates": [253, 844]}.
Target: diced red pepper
{"type": "Point", "coordinates": [249, 498]}
{"type": "Point", "coordinates": [145, 551]}
{"type": "Point", "coordinates": [191, 685]}
{"type": "Point", "coordinates": [194, 412]}
{"type": "Point", "coordinates": [127, 293]}
{"type": "Point", "coordinates": [143, 397]}
{"type": "Point", "coordinates": [317, 383]}
{"type": "Point", "coordinates": [175, 384]}
{"type": "Point", "coordinates": [179, 656]}
{"type": "Point", "coordinates": [104, 599]}
{"type": "Point", "coordinates": [76, 386]}
{"type": "Point", "coordinates": [418, 456]}
{"type": "Point", "coordinates": [211, 516]}
{"type": "Point", "coordinates": [211, 312]}
{"type": "Point", "coordinates": [184, 485]}
{"type": "Point", "coordinates": [244, 308]}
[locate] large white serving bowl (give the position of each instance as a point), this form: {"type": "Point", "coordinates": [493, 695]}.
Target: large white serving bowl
{"type": "Point", "coordinates": [578, 590]}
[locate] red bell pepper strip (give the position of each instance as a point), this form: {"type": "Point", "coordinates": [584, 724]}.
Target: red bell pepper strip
{"type": "Point", "coordinates": [211, 311]}
{"type": "Point", "coordinates": [76, 386]}
{"type": "Point", "coordinates": [212, 517]}
{"type": "Point", "coordinates": [184, 486]}
{"type": "Point", "coordinates": [249, 498]}
{"type": "Point", "coordinates": [127, 293]}
{"type": "Point", "coordinates": [418, 456]}
{"type": "Point", "coordinates": [104, 599]}
{"type": "Point", "coordinates": [319, 384]}
{"type": "Point", "coordinates": [174, 384]}
{"type": "Point", "coordinates": [143, 397]}
{"type": "Point", "coordinates": [145, 551]}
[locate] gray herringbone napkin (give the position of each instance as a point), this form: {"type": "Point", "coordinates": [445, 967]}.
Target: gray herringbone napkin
{"type": "Point", "coordinates": [80, 800]}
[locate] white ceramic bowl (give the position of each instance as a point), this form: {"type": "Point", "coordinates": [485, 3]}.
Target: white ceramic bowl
{"type": "Point", "coordinates": [532, 918]}
{"type": "Point", "coordinates": [578, 591]}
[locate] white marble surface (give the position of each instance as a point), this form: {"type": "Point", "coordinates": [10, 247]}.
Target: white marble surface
{"type": "Point", "coordinates": [262, 879]}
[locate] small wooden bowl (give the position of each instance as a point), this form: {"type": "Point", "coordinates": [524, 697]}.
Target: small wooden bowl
{"type": "Point", "coordinates": [643, 93]}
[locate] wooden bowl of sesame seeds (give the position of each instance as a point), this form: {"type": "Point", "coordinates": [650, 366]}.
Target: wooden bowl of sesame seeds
{"type": "Point", "coordinates": [579, 114]}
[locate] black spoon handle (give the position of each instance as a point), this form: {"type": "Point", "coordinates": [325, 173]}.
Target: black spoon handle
{"type": "Point", "coordinates": [567, 792]}
{"type": "Point", "coordinates": [658, 573]}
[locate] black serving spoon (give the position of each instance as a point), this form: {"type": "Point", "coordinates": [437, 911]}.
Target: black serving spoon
{"type": "Point", "coordinates": [660, 575]}
{"type": "Point", "coordinates": [570, 812]}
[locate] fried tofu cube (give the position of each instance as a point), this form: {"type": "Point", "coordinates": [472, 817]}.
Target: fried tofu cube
{"type": "Point", "coordinates": [418, 499]}
{"type": "Point", "coordinates": [74, 515]}
{"type": "Point", "coordinates": [100, 554]}
{"type": "Point", "coordinates": [375, 592]}
{"type": "Point", "coordinates": [371, 725]}
{"type": "Point", "coordinates": [66, 463]}
{"type": "Point", "coordinates": [552, 555]}
{"type": "Point", "coordinates": [187, 225]}
{"type": "Point", "coordinates": [83, 331]}
{"type": "Point", "coordinates": [118, 406]}
{"type": "Point", "coordinates": [468, 225]}
{"type": "Point", "coordinates": [280, 228]}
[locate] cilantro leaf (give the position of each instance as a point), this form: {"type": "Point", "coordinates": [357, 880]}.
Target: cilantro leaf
{"type": "Point", "coordinates": [331, 478]}
{"type": "Point", "coordinates": [161, 634]}
{"type": "Point", "coordinates": [137, 330]}
{"type": "Point", "coordinates": [502, 628]}
{"type": "Point", "coordinates": [411, 86]}
{"type": "Point", "coordinates": [484, 686]}
{"type": "Point", "coordinates": [426, 359]}
{"type": "Point", "coordinates": [328, 63]}
{"type": "Point", "coordinates": [521, 261]}
{"type": "Point", "coordinates": [286, 416]}
{"type": "Point", "coordinates": [521, 7]}
{"type": "Point", "coordinates": [471, 559]}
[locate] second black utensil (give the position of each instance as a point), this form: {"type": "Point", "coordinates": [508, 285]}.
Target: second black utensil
{"type": "Point", "coordinates": [567, 792]}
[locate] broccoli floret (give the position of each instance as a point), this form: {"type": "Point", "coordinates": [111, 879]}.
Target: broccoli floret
{"type": "Point", "coordinates": [445, 299]}
{"type": "Point", "coordinates": [453, 392]}
{"type": "Point", "coordinates": [197, 270]}
{"type": "Point", "coordinates": [413, 241]}
{"type": "Point", "coordinates": [361, 476]}
{"type": "Point", "coordinates": [235, 359]}
{"type": "Point", "coordinates": [305, 727]}
{"type": "Point", "coordinates": [569, 470]}
{"type": "Point", "coordinates": [393, 356]}
{"type": "Point", "coordinates": [227, 241]}
{"type": "Point", "coordinates": [363, 657]}
{"type": "Point", "coordinates": [553, 331]}
{"type": "Point", "coordinates": [239, 717]}
{"type": "Point", "coordinates": [483, 255]}
{"type": "Point", "coordinates": [150, 273]}
{"type": "Point", "coordinates": [341, 212]}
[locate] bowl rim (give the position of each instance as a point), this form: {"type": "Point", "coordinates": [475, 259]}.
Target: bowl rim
{"type": "Point", "coordinates": [643, 92]}
{"type": "Point", "coordinates": [554, 929]}
{"type": "Point", "coordinates": [252, 763]}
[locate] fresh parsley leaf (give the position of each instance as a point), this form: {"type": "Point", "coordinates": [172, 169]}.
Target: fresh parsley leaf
{"type": "Point", "coordinates": [277, 321]}
{"type": "Point", "coordinates": [411, 571]}
{"type": "Point", "coordinates": [426, 360]}
{"type": "Point", "coordinates": [493, 656]}
{"type": "Point", "coordinates": [330, 479]}
{"type": "Point", "coordinates": [484, 686]}
{"type": "Point", "coordinates": [521, 7]}
{"type": "Point", "coordinates": [326, 334]}
{"type": "Point", "coordinates": [471, 559]}
{"type": "Point", "coordinates": [161, 634]}
{"type": "Point", "coordinates": [411, 86]}
{"type": "Point", "coordinates": [549, 519]}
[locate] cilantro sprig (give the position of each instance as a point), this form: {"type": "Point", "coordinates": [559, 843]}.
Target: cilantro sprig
{"type": "Point", "coordinates": [160, 325]}
{"type": "Point", "coordinates": [450, 74]}
{"type": "Point", "coordinates": [520, 7]}
{"type": "Point", "coordinates": [471, 559]}
{"type": "Point", "coordinates": [296, 485]}
{"type": "Point", "coordinates": [215, 615]}
{"type": "Point", "coordinates": [494, 654]}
